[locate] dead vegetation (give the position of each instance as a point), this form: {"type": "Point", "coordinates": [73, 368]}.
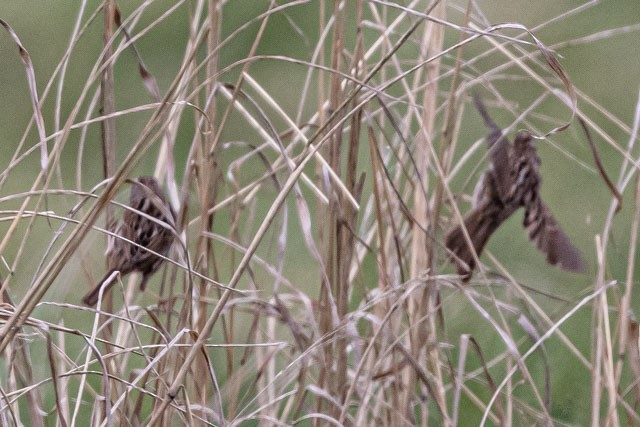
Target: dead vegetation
{"type": "Point", "coordinates": [309, 283]}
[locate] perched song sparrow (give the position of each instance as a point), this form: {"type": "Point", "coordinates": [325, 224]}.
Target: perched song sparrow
{"type": "Point", "coordinates": [512, 181]}
{"type": "Point", "coordinates": [146, 197]}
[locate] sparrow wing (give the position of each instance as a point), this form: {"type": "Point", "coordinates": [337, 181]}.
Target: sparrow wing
{"type": "Point", "coordinates": [545, 231]}
{"type": "Point", "coordinates": [499, 150]}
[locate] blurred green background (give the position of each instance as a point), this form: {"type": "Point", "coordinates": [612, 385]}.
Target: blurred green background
{"type": "Point", "coordinates": [605, 68]}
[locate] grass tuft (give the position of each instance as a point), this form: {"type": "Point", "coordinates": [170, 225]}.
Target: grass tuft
{"type": "Point", "coordinates": [316, 154]}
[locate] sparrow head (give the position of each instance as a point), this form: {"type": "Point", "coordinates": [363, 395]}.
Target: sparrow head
{"type": "Point", "coordinates": [523, 141]}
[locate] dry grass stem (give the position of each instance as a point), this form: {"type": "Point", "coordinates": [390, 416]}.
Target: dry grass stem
{"type": "Point", "coordinates": [314, 155]}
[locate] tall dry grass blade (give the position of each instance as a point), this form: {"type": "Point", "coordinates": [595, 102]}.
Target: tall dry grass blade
{"type": "Point", "coordinates": [551, 61]}
{"type": "Point", "coordinates": [148, 79]}
{"type": "Point", "coordinates": [108, 102]}
{"type": "Point", "coordinates": [244, 262]}
{"type": "Point", "coordinates": [33, 92]}
{"type": "Point", "coordinates": [423, 251]}
{"type": "Point", "coordinates": [45, 279]}
{"type": "Point", "coordinates": [633, 351]}
{"type": "Point", "coordinates": [627, 326]}
{"type": "Point", "coordinates": [543, 338]}
{"type": "Point", "coordinates": [21, 369]}
{"type": "Point", "coordinates": [259, 338]}
{"type": "Point", "coordinates": [331, 296]}
{"type": "Point", "coordinates": [37, 115]}
{"type": "Point", "coordinates": [55, 379]}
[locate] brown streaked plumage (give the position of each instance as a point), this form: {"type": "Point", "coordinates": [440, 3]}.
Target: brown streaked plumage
{"type": "Point", "coordinates": [512, 181]}
{"type": "Point", "coordinates": [146, 197]}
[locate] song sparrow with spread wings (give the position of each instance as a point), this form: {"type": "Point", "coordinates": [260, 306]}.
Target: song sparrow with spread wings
{"type": "Point", "coordinates": [146, 197]}
{"type": "Point", "coordinates": [512, 181]}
